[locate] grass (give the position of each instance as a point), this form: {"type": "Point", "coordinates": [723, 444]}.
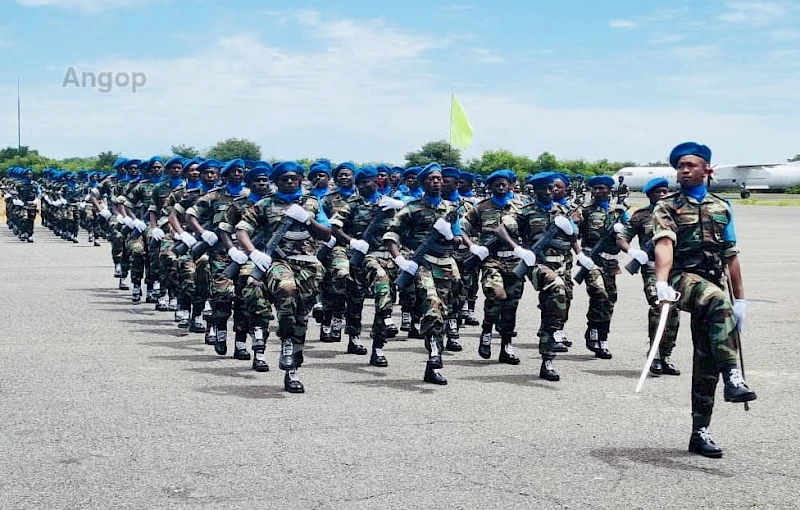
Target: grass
{"type": "Point", "coordinates": [774, 203]}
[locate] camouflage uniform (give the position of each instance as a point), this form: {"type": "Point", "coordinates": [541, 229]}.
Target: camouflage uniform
{"type": "Point", "coordinates": [111, 188]}
{"type": "Point", "coordinates": [192, 277]}
{"type": "Point", "coordinates": [703, 240]}
{"type": "Point", "coordinates": [641, 225]}
{"type": "Point", "coordinates": [337, 285]}
{"type": "Point", "coordinates": [137, 199]}
{"type": "Point", "coordinates": [159, 264]}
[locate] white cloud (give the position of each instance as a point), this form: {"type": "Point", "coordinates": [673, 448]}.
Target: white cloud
{"type": "Point", "coordinates": [622, 23]}
{"type": "Point", "coordinates": [753, 13]}
{"type": "Point", "coordinates": [484, 56]}
{"type": "Point", "coordinates": [85, 5]}
{"type": "Point", "coordinates": [665, 39]}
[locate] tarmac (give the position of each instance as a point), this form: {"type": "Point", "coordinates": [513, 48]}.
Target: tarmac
{"type": "Point", "coordinates": [106, 404]}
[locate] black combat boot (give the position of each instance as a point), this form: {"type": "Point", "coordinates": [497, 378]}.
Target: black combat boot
{"type": "Point", "coordinates": [286, 360]}
{"type": "Point", "coordinates": [405, 321]}
{"type": "Point", "coordinates": [592, 337]}
{"type": "Point", "coordinates": [667, 367]}
{"type": "Point", "coordinates": [196, 325]}
{"type": "Point", "coordinates": [602, 352]}
{"type": "Point", "coordinates": [221, 344]}
{"type": "Point", "coordinates": [702, 443]}
{"type": "Point", "coordinates": [736, 390]}
{"type": "Point", "coordinates": [354, 346]}
{"type": "Point", "coordinates": [122, 284]}
{"type": "Point", "coordinates": [337, 324]}
{"type": "Point", "coordinates": [656, 367]}
{"type": "Point", "coordinates": [211, 335]}
{"type": "Point", "coordinates": [389, 327]}
{"type": "Point", "coordinates": [485, 343]}
{"type": "Point", "coordinates": [325, 334]}
{"type": "Point", "coordinates": [434, 344]}
{"type": "Point", "coordinates": [291, 382]}
{"type": "Point", "coordinates": [136, 293]}
{"type": "Point", "coordinates": [561, 337]}
{"type": "Point", "coordinates": [507, 354]}
{"type": "Point", "coordinates": [117, 270]}
{"type": "Point", "coordinates": [472, 317]}
{"type": "Point", "coordinates": [259, 348]}
{"type": "Point", "coordinates": [550, 343]}
{"type": "Point", "coordinates": [432, 376]}
{"type": "Point", "coordinates": [240, 346]}
{"type": "Point", "coordinates": [453, 336]}
{"type": "Point", "coordinates": [413, 330]}
{"type": "Point", "coordinates": [548, 370]}
{"type": "Point", "coordinates": [378, 359]}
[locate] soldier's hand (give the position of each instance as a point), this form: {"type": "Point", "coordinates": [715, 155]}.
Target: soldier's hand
{"type": "Point", "coordinates": [585, 261]}
{"type": "Point", "coordinates": [128, 221]}
{"type": "Point", "coordinates": [261, 259]}
{"type": "Point", "coordinates": [209, 237]}
{"type": "Point", "coordinates": [564, 224]}
{"type": "Point", "coordinates": [409, 266]}
{"type": "Point", "coordinates": [140, 225]}
{"type": "Point", "coordinates": [187, 239]}
{"type": "Point", "coordinates": [527, 256]}
{"type": "Point", "coordinates": [665, 293]}
{"type": "Point", "coordinates": [237, 255]}
{"type": "Point", "coordinates": [359, 245]}
{"type": "Point", "coordinates": [479, 251]}
{"type": "Point", "coordinates": [330, 243]}
{"type": "Point", "coordinates": [386, 202]}
{"type": "Point", "coordinates": [105, 213]}
{"type": "Point", "coordinates": [297, 213]}
{"type": "Point", "coordinates": [157, 234]}
{"type": "Point", "coordinates": [443, 227]}
{"type": "Point", "coordinates": [739, 312]}
{"type": "Point", "coordinates": [18, 202]}
{"type": "Point", "coordinates": [639, 255]}
{"type": "Point", "coordinates": [619, 228]}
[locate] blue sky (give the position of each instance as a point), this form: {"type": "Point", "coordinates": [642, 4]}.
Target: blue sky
{"type": "Point", "coordinates": [368, 81]}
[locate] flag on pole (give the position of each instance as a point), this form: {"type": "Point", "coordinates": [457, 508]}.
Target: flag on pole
{"type": "Point", "coordinates": [460, 128]}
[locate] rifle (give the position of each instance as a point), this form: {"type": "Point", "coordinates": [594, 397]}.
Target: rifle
{"type": "Point", "coordinates": [538, 249]}
{"type": "Point", "coordinates": [356, 257]}
{"type": "Point", "coordinates": [200, 249]}
{"type": "Point", "coordinates": [405, 279]}
{"type": "Point", "coordinates": [180, 249]}
{"type": "Point", "coordinates": [277, 236]}
{"type": "Point", "coordinates": [604, 242]}
{"type": "Point", "coordinates": [233, 268]}
{"type": "Point", "coordinates": [650, 249]}
{"type": "Point", "coordinates": [472, 263]}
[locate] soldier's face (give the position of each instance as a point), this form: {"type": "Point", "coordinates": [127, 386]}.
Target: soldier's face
{"type": "Point", "coordinates": [432, 184]}
{"type": "Point", "coordinates": [368, 187]}
{"type": "Point", "coordinates": [383, 177]}
{"type": "Point", "coordinates": [692, 171]}
{"type": "Point", "coordinates": [601, 192]}
{"type": "Point", "coordinates": [544, 194]}
{"type": "Point", "coordinates": [449, 185]}
{"type": "Point", "coordinates": [344, 178]}
{"type": "Point", "coordinates": [156, 169]}
{"type": "Point", "coordinates": [464, 186]}
{"type": "Point", "coordinates": [210, 176]}
{"type": "Point", "coordinates": [133, 170]}
{"type": "Point", "coordinates": [235, 175]}
{"type": "Point", "coordinates": [394, 179]}
{"type": "Point", "coordinates": [259, 185]}
{"type": "Point", "coordinates": [411, 181]}
{"type": "Point", "coordinates": [288, 182]}
{"type": "Point", "coordinates": [500, 186]}
{"type": "Point", "coordinates": [559, 190]}
{"type": "Point", "coordinates": [175, 170]}
{"type": "Point", "coordinates": [191, 173]}
{"type": "Point", "coordinates": [656, 194]}
{"type": "Point", "coordinates": [320, 180]}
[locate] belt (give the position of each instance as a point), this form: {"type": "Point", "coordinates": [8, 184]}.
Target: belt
{"type": "Point", "coordinates": [440, 261]}
{"type": "Point", "coordinates": [381, 254]}
{"type": "Point", "coordinates": [505, 254]}
{"type": "Point", "coordinates": [299, 235]}
{"type": "Point", "coordinates": [303, 258]}
{"type": "Point", "coordinates": [557, 259]}
{"type": "Point", "coordinates": [607, 256]}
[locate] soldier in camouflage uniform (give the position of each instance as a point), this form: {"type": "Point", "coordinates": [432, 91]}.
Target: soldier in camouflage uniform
{"type": "Point", "coordinates": [162, 289]}
{"type": "Point", "coordinates": [595, 223]}
{"type": "Point", "coordinates": [562, 196]}
{"type": "Point", "coordinates": [109, 189]}
{"type": "Point", "coordinates": [470, 281]}
{"type": "Point", "coordinates": [501, 289]}
{"type": "Point", "coordinates": [435, 278]}
{"type": "Point", "coordinates": [349, 223]}
{"type": "Point", "coordinates": [641, 226]}
{"type": "Point", "coordinates": [292, 274]}
{"type": "Point", "coordinates": [27, 192]}
{"type": "Point", "coordinates": [695, 240]}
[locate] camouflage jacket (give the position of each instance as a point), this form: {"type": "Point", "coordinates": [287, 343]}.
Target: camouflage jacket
{"type": "Point", "coordinates": [702, 232]}
{"type": "Point", "coordinates": [138, 198]}
{"type": "Point", "coordinates": [266, 215]}
{"type": "Point", "coordinates": [211, 208]}
{"type": "Point", "coordinates": [355, 215]}
{"type": "Point", "coordinates": [158, 198]}
{"type": "Point", "coordinates": [593, 221]}
{"type": "Point", "coordinates": [411, 225]}
{"type": "Point", "coordinates": [486, 216]}
{"type": "Point", "coordinates": [535, 222]}
{"type": "Point", "coordinates": [640, 225]}
{"type": "Point", "coordinates": [333, 201]}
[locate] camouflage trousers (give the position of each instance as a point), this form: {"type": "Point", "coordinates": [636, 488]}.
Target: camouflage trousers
{"type": "Point", "coordinates": [468, 290]}
{"type": "Point", "coordinates": [293, 284]}
{"type": "Point", "coordinates": [568, 281]}
{"type": "Point", "coordinates": [379, 272]}
{"type": "Point", "coordinates": [601, 286]}
{"type": "Point", "coordinates": [193, 282]}
{"type": "Point", "coordinates": [654, 313]}
{"type": "Point", "coordinates": [436, 281]}
{"type": "Point", "coordinates": [502, 291]}
{"type": "Point", "coordinates": [550, 279]}
{"type": "Point", "coordinates": [343, 292]}
{"type": "Point", "coordinates": [27, 217]}
{"type": "Point", "coordinates": [167, 265]}
{"type": "Point", "coordinates": [136, 249]}
{"type": "Point", "coordinates": [714, 336]}
{"type": "Point", "coordinates": [226, 293]}
{"type": "Point", "coordinates": [252, 304]}
{"type": "Point", "coordinates": [117, 241]}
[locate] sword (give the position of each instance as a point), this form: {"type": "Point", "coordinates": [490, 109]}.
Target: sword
{"type": "Point", "coordinates": [662, 325]}
{"type": "Point", "coordinates": [729, 285]}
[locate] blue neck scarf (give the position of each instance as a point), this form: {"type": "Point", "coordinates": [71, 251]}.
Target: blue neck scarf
{"type": "Point", "coordinates": [562, 201]}
{"type": "Point", "coordinates": [605, 204]}
{"type": "Point", "coordinates": [94, 184]}
{"type": "Point", "coordinates": [374, 198]}
{"type": "Point", "coordinates": [319, 192]}
{"type": "Point", "coordinates": [385, 191]}
{"type": "Point", "coordinates": [176, 182]}
{"type": "Point", "coordinates": [235, 190]}
{"type": "Point", "coordinates": [698, 192]}
{"type": "Point", "coordinates": [289, 197]}
{"type": "Point", "coordinates": [190, 184]}
{"type": "Point", "coordinates": [416, 192]}
{"type": "Point", "coordinates": [468, 194]}
{"type": "Point", "coordinates": [347, 192]}
{"type": "Point", "coordinates": [546, 207]}
{"type": "Point", "coordinates": [503, 200]}
{"type": "Point", "coordinates": [453, 197]}
{"type": "Point", "coordinates": [205, 187]}
{"type": "Point", "coordinates": [254, 197]}
{"type": "Point", "coordinates": [72, 185]}
{"type": "Point", "coordinates": [435, 201]}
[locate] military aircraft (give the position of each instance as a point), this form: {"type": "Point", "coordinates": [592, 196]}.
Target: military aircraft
{"type": "Point", "coordinates": [776, 177]}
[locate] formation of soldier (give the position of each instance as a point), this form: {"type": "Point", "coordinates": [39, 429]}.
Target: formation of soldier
{"type": "Point", "coordinates": [240, 244]}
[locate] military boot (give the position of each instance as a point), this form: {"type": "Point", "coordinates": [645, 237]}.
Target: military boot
{"type": "Point", "coordinates": [389, 328]}
{"type": "Point", "coordinates": [561, 337]}
{"type": "Point", "coordinates": [325, 334]}
{"type": "Point", "coordinates": [259, 349]}
{"type": "Point", "coordinates": [208, 311]}
{"type": "Point", "coordinates": [405, 321]}
{"type": "Point", "coordinates": [656, 367]}
{"type": "Point", "coordinates": [182, 317]}
{"type": "Point", "coordinates": [286, 360]}
{"type": "Point", "coordinates": [602, 351]}
{"type": "Point", "coordinates": [318, 312]}
{"type": "Point", "coordinates": [736, 389]}
{"type": "Point", "coordinates": [136, 293]}
{"type": "Point", "coordinates": [485, 345]}
{"type": "Point", "coordinates": [378, 359]}
{"type": "Point", "coordinates": [433, 376]}
{"type": "Point", "coordinates": [507, 354]}
{"type": "Point", "coordinates": [354, 346]}
{"type": "Point", "coordinates": [592, 337]}
{"type": "Point", "coordinates": [163, 304]}
{"type": "Point", "coordinates": [434, 343]}
{"type": "Point", "coordinates": [548, 371]}
{"type": "Point", "coordinates": [172, 305]}
{"type": "Point", "coordinates": [413, 330]}
{"type": "Point", "coordinates": [667, 367]}
{"type": "Point", "coordinates": [196, 326]}
{"type": "Point", "coordinates": [550, 342]}
{"type": "Point", "coordinates": [211, 335]}
{"type": "Point", "coordinates": [702, 443]}
{"type": "Point", "coordinates": [221, 345]}
{"type": "Point", "coordinates": [453, 336]}
{"type": "Point", "coordinates": [337, 324]}
{"type": "Point", "coordinates": [240, 346]}
{"type": "Point", "coordinates": [123, 285]}
{"type": "Point", "coordinates": [291, 382]}
{"type": "Point", "coordinates": [30, 239]}
{"type": "Point", "coordinates": [472, 317]}
{"type": "Point", "coordinates": [151, 294]}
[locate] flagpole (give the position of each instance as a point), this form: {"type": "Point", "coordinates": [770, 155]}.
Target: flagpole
{"type": "Point", "coordinates": [450, 130]}
{"type": "Point", "coordinates": [19, 124]}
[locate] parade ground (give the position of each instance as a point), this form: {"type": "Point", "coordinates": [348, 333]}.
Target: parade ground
{"type": "Point", "coordinates": [105, 404]}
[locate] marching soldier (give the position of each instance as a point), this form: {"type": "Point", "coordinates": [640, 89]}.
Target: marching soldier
{"type": "Point", "coordinates": [159, 229]}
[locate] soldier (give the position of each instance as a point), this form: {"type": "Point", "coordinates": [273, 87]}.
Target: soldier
{"type": "Point", "coordinates": [641, 226]}
{"type": "Point", "coordinates": [694, 240]}
{"type": "Point", "coordinates": [27, 193]}
{"type": "Point", "coordinates": [158, 197]}
{"type": "Point", "coordinates": [562, 196]}
{"type": "Point", "coordinates": [450, 176]}
{"type": "Point", "coordinates": [433, 281]}
{"type": "Point", "coordinates": [622, 192]}
{"type": "Point", "coordinates": [319, 175]}
{"type": "Point", "coordinates": [409, 190]}
{"type": "Point", "coordinates": [293, 279]}
{"type": "Point", "coordinates": [466, 182]}
{"type": "Point", "coordinates": [501, 289]}
{"type": "Point", "coordinates": [596, 223]}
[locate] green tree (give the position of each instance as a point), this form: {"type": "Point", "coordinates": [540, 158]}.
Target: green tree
{"type": "Point", "coordinates": [234, 148]}
{"type": "Point", "coordinates": [185, 151]}
{"type": "Point", "coordinates": [497, 160]}
{"type": "Point", "coordinates": [105, 160]}
{"type": "Point", "coordinates": [795, 158]}
{"type": "Point", "coordinates": [440, 151]}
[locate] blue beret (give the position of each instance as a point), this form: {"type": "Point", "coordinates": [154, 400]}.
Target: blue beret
{"type": "Point", "coordinates": [131, 162]}
{"type": "Point", "coordinates": [563, 178]}
{"type": "Point", "coordinates": [542, 179]}
{"type": "Point", "coordinates": [598, 180]}
{"type": "Point", "coordinates": [347, 164]}
{"type": "Point", "coordinates": [325, 162]}
{"type": "Point", "coordinates": [397, 170]}
{"type": "Point", "coordinates": [429, 169]}
{"type": "Point", "coordinates": [209, 163]}
{"type": "Point", "coordinates": [318, 167]}
{"type": "Point", "coordinates": [118, 163]}
{"type": "Point", "coordinates": [175, 160]}
{"type": "Point", "coordinates": [466, 176]}
{"type": "Point", "coordinates": [689, 149]}
{"type": "Point", "coordinates": [191, 161]}
{"type": "Point", "coordinates": [504, 173]}
{"type": "Point", "coordinates": [450, 171]}
{"type": "Point", "coordinates": [155, 159]}
{"type": "Point", "coordinates": [412, 170]}
{"type": "Point", "coordinates": [383, 168]}
{"type": "Point", "coordinates": [657, 182]}
{"type": "Point", "coordinates": [260, 168]}
{"type": "Point", "coordinates": [238, 162]}
{"type": "Point", "coordinates": [366, 172]}
{"type": "Point", "coordinates": [286, 167]}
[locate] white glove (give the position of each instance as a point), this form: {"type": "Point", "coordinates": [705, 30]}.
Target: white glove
{"type": "Point", "coordinates": [18, 202]}
{"type": "Point", "coordinates": [157, 234]}
{"type": "Point", "coordinates": [527, 256]}
{"type": "Point", "coordinates": [564, 224]}
{"type": "Point", "coordinates": [209, 237]}
{"type": "Point", "coordinates": [618, 228]}
{"type": "Point", "coordinates": [105, 213]}
{"type": "Point", "coordinates": [664, 292]}
{"type": "Point", "coordinates": [443, 227]}
{"type": "Point", "coordinates": [140, 225]}
{"type": "Point", "coordinates": [297, 213]}
{"type": "Point", "coordinates": [6, 195]}
{"type": "Point", "coordinates": [187, 239]}
{"type": "Point", "coordinates": [585, 262]}
{"type": "Point", "coordinates": [128, 221]}
{"type": "Point", "coordinates": [237, 255]}
{"type": "Point", "coordinates": [261, 259]}
{"type": "Point", "coordinates": [479, 251]}
{"type": "Point", "coordinates": [739, 312]}
{"type": "Point", "coordinates": [81, 204]}
{"type": "Point", "coordinates": [640, 256]}
{"type": "Point", "coordinates": [330, 243]}
{"type": "Point", "coordinates": [359, 245]}
{"type": "Point", "coordinates": [409, 266]}
{"type": "Point", "coordinates": [120, 218]}
{"type": "Point", "coordinates": [386, 202]}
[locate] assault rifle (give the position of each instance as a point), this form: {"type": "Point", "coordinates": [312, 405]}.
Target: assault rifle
{"type": "Point", "coordinates": [607, 240]}
{"type": "Point", "coordinates": [405, 279]}
{"type": "Point", "coordinates": [650, 249]}
{"type": "Point", "coordinates": [357, 258]}
{"type": "Point", "coordinates": [233, 268]}
{"type": "Point", "coordinates": [472, 263]}
{"type": "Point", "coordinates": [277, 236]}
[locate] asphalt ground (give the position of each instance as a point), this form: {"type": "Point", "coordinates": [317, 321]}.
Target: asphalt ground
{"type": "Point", "coordinates": [105, 404]}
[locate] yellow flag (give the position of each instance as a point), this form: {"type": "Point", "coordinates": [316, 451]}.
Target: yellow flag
{"type": "Point", "coordinates": [460, 128]}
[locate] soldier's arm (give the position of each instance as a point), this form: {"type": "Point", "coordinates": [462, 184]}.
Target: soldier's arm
{"type": "Point", "coordinates": [247, 225]}
{"type": "Point", "coordinates": [398, 225]}
{"type": "Point", "coordinates": [664, 238]}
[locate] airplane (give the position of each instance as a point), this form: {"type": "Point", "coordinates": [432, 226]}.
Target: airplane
{"type": "Point", "coordinates": [775, 177]}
